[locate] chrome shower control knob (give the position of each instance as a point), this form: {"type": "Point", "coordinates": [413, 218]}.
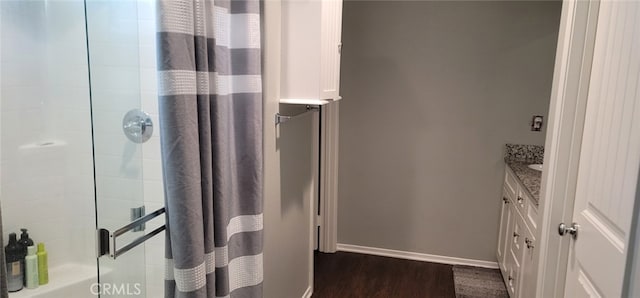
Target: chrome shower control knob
{"type": "Point", "coordinates": [137, 126]}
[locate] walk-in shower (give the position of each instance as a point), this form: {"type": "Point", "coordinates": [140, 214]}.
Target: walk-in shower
{"type": "Point", "coordinates": [70, 72]}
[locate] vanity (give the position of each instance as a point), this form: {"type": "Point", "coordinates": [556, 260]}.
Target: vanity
{"type": "Point", "coordinates": [518, 232]}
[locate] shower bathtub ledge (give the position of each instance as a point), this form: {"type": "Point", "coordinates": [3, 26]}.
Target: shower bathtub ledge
{"type": "Point", "coordinates": [65, 281]}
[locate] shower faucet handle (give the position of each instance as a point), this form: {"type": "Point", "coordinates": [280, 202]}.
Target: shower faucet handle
{"type": "Point", "coordinates": [137, 126]}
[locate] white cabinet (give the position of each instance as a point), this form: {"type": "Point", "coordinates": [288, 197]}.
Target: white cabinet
{"type": "Point", "coordinates": [516, 239]}
{"type": "Point", "coordinates": [311, 48]}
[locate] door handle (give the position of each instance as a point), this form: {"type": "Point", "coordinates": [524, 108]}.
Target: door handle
{"type": "Point", "coordinates": [572, 230]}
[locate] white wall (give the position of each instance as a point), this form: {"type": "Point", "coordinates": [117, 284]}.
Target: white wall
{"type": "Point", "coordinates": [47, 188]}
{"type": "Point", "coordinates": [287, 179]}
{"type": "Point", "coordinates": [432, 91]}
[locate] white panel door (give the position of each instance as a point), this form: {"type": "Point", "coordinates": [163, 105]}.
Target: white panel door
{"type": "Point", "coordinates": [610, 156]}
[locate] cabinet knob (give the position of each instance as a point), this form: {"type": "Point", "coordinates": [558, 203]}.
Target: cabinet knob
{"type": "Point", "coordinates": [529, 243]}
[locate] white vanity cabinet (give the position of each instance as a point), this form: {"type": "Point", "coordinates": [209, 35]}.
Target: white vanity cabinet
{"type": "Point", "coordinates": [516, 239]}
{"type": "Point", "coordinates": [311, 48]}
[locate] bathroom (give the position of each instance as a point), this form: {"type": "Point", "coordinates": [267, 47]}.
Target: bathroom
{"type": "Point", "coordinates": [395, 174]}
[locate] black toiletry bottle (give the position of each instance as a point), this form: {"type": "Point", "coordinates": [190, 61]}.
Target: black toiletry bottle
{"type": "Point", "coordinates": [25, 241]}
{"type": "Point", "coordinates": [15, 264]}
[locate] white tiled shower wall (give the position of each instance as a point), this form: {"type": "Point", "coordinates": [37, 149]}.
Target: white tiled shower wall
{"type": "Point", "coordinates": [46, 160]}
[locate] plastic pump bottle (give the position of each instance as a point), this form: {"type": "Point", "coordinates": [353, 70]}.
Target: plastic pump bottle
{"type": "Point", "coordinates": [15, 264]}
{"type": "Point", "coordinates": [25, 242]}
{"type": "Point", "coordinates": [31, 268]}
{"type": "Point", "coordinates": [43, 266]}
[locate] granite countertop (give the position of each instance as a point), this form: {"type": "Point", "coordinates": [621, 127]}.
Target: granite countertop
{"type": "Point", "coordinates": [518, 157]}
{"type": "Point", "coordinates": [530, 178]}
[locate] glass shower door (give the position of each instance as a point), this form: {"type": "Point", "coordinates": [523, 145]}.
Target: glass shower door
{"type": "Point", "coordinates": [121, 47]}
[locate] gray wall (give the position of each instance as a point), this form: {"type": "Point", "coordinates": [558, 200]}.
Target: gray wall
{"type": "Point", "coordinates": [288, 180]}
{"type": "Point", "coordinates": [432, 92]}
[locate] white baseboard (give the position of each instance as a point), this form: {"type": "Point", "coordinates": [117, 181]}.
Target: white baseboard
{"type": "Point", "coordinates": [307, 293]}
{"type": "Point", "coordinates": [415, 256]}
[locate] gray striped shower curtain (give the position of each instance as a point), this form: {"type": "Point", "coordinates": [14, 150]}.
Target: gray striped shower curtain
{"type": "Point", "coordinates": [210, 105]}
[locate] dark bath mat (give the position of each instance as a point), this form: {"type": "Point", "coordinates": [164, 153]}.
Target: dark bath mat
{"type": "Point", "coordinates": [476, 282]}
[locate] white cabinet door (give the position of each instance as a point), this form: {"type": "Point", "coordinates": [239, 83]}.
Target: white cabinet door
{"type": "Point", "coordinates": [527, 283]}
{"type": "Point", "coordinates": [511, 263]}
{"type": "Point", "coordinates": [502, 234]}
{"type": "Point", "coordinates": [609, 158]}
{"type": "Point", "coordinates": [311, 48]}
{"type": "Point", "coordinates": [512, 278]}
{"type": "Point", "coordinates": [331, 48]}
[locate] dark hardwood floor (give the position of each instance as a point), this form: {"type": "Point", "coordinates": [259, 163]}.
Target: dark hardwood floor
{"type": "Point", "coordinates": [357, 275]}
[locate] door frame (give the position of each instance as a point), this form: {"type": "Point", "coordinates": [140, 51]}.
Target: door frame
{"type": "Point", "coordinates": [327, 219]}
{"type": "Point", "coordinates": [567, 111]}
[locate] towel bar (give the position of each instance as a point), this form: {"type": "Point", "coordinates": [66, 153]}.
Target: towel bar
{"type": "Point", "coordinates": [284, 118]}
{"type": "Point", "coordinates": [107, 240]}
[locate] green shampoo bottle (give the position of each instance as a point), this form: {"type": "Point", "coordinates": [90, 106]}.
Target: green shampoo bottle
{"type": "Point", "coordinates": [43, 266]}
